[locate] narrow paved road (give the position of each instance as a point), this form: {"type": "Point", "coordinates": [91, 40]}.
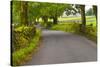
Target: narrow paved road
{"type": "Point", "coordinates": [61, 47]}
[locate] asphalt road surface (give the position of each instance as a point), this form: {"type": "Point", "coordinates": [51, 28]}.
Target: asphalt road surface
{"type": "Point", "coordinates": [61, 47]}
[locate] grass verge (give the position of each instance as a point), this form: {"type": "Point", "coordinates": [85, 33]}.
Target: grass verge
{"type": "Point", "coordinates": [91, 31]}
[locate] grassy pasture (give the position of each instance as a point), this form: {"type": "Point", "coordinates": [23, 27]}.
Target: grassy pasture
{"type": "Point", "coordinates": [74, 18]}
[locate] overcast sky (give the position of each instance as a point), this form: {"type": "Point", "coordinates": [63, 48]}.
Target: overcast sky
{"type": "Point", "coordinates": [88, 7]}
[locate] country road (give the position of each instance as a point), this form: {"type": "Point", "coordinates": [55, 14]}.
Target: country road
{"type": "Point", "coordinates": [61, 47]}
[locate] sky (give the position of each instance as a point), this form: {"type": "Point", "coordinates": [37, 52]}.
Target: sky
{"type": "Point", "coordinates": [88, 7]}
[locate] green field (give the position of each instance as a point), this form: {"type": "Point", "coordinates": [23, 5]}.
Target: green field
{"type": "Point", "coordinates": [89, 19]}
{"type": "Point", "coordinates": [74, 18]}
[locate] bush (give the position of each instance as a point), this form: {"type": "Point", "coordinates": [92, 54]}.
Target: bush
{"type": "Point", "coordinates": [21, 36]}
{"type": "Point", "coordinates": [91, 32]}
{"type": "Point", "coordinates": [67, 27]}
{"type": "Point", "coordinates": [20, 56]}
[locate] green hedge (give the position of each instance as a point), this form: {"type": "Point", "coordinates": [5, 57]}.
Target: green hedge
{"type": "Point", "coordinates": [67, 27]}
{"type": "Point", "coordinates": [20, 56]}
{"type": "Point", "coordinates": [91, 32]}
{"type": "Point", "coordinates": [74, 27]}
{"type": "Point", "coordinates": [21, 36]}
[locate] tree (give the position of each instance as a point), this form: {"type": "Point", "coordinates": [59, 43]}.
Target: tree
{"type": "Point", "coordinates": [44, 11]}
{"type": "Point", "coordinates": [19, 12]}
{"type": "Point", "coordinates": [33, 11]}
{"type": "Point", "coordinates": [82, 7]}
{"type": "Point", "coordinates": [95, 10]}
{"type": "Point", "coordinates": [71, 10]}
{"type": "Point", "coordinates": [59, 11]}
{"type": "Point", "coordinates": [56, 11]}
{"type": "Point", "coordinates": [16, 18]}
{"type": "Point", "coordinates": [81, 10]}
{"type": "Point", "coordinates": [24, 16]}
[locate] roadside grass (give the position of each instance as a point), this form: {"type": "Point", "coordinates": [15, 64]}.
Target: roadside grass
{"type": "Point", "coordinates": [91, 29]}
{"type": "Point", "coordinates": [91, 33]}
{"type": "Point", "coordinates": [67, 27]}
{"type": "Point", "coordinates": [93, 23]}
{"type": "Point", "coordinates": [19, 57]}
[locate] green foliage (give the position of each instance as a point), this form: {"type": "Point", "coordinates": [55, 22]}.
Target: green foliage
{"type": "Point", "coordinates": [16, 12]}
{"type": "Point", "coordinates": [91, 29]}
{"type": "Point", "coordinates": [21, 36]}
{"type": "Point", "coordinates": [91, 32]}
{"type": "Point", "coordinates": [28, 12]}
{"type": "Point", "coordinates": [67, 27]}
{"type": "Point", "coordinates": [57, 9]}
{"type": "Point", "coordinates": [71, 10]}
{"type": "Point", "coordinates": [20, 56]}
{"type": "Point", "coordinates": [33, 11]}
{"type": "Point", "coordinates": [19, 12]}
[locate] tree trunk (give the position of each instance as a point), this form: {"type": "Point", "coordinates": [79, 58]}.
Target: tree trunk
{"type": "Point", "coordinates": [95, 11]}
{"type": "Point", "coordinates": [55, 19]}
{"type": "Point", "coordinates": [45, 19]}
{"type": "Point", "coordinates": [82, 7]}
{"type": "Point", "coordinates": [24, 9]}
